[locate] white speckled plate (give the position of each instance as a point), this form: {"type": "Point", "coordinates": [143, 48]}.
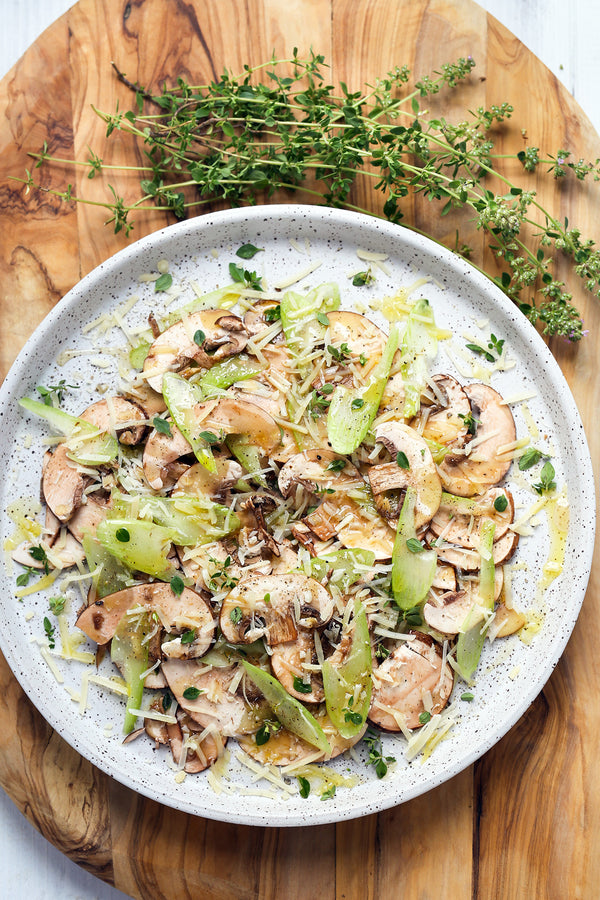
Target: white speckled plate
{"type": "Point", "coordinates": [199, 251]}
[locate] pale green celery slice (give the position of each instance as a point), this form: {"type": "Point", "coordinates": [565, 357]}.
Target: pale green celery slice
{"type": "Point", "coordinates": [222, 298]}
{"type": "Point", "coordinates": [109, 574]}
{"type": "Point", "coordinates": [181, 398]}
{"type": "Point", "coordinates": [472, 635]}
{"type": "Point", "coordinates": [340, 682]}
{"type": "Point", "coordinates": [129, 652]}
{"type": "Point", "coordinates": [412, 573]}
{"type": "Point", "coordinates": [419, 345]}
{"type": "Point", "coordinates": [146, 548]}
{"type": "Point", "coordinates": [299, 313]}
{"type": "Point", "coordinates": [352, 410]}
{"type": "Point", "coordinates": [96, 448]}
{"type": "Point", "coordinates": [191, 520]}
{"type": "Point", "coordinates": [248, 456]}
{"type": "Point", "coordinates": [343, 564]}
{"type": "Point", "coordinates": [227, 372]}
{"type": "Point", "coordinates": [287, 710]}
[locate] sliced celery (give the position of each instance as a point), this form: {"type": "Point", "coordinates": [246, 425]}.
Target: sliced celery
{"type": "Point", "coordinates": [348, 686]}
{"type": "Point", "coordinates": [299, 313]}
{"type": "Point", "coordinates": [248, 456]}
{"type": "Point", "coordinates": [472, 636]}
{"type": "Point", "coordinates": [138, 354]}
{"type": "Point", "coordinates": [182, 399]}
{"type": "Point", "coordinates": [222, 298]}
{"type": "Point", "coordinates": [419, 344]}
{"type": "Point", "coordinates": [412, 573]}
{"type": "Point", "coordinates": [342, 564]}
{"type": "Point", "coordinates": [191, 520]}
{"type": "Point", "coordinates": [140, 545]}
{"type": "Point", "coordinates": [289, 711]}
{"type": "Point", "coordinates": [129, 651]}
{"type": "Point", "coordinates": [228, 372]}
{"type": "Point", "coordinates": [352, 411]}
{"type": "Point", "coordinates": [109, 574]}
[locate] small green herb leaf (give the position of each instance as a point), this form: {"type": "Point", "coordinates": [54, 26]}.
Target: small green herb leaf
{"type": "Point", "coordinates": [188, 637]}
{"type": "Point", "coordinates": [209, 437]}
{"type": "Point", "coordinates": [247, 251]}
{"type": "Point", "coordinates": [467, 696]}
{"type": "Point", "coordinates": [122, 535]}
{"type": "Point", "coordinates": [357, 403]}
{"type": "Point", "coordinates": [323, 319]}
{"type": "Point", "coordinates": [529, 459]}
{"type": "Point", "coordinates": [424, 717]}
{"type": "Point", "coordinates": [199, 337]}
{"type": "Point", "coordinates": [500, 503]}
{"type": "Point", "coordinates": [177, 585]}
{"type": "Point", "coordinates": [304, 786]}
{"type": "Point", "coordinates": [546, 482]}
{"type": "Point", "coordinates": [49, 630]}
{"type": "Point", "coordinates": [301, 686]}
{"type": "Point", "coordinates": [192, 693]}
{"type": "Point", "coordinates": [236, 615]}
{"type": "Point", "coordinates": [402, 460]}
{"type": "Point", "coordinates": [163, 282]}
{"type": "Point", "coordinates": [162, 426]}
{"type": "Point", "coordinates": [415, 545]}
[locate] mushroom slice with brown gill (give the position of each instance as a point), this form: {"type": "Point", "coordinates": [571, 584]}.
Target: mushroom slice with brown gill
{"type": "Point", "coordinates": [119, 416]}
{"type": "Point", "coordinates": [469, 560]}
{"type": "Point", "coordinates": [220, 334]}
{"type": "Point", "coordinates": [188, 612]}
{"type": "Point", "coordinates": [390, 480]}
{"type": "Point", "coordinates": [292, 664]}
{"type": "Point", "coordinates": [446, 416]}
{"type": "Point", "coordinates": [464, 529]}
{"type": "Point", "coordinates": [161, 455]}
{"type": "Point", "coordinates": [193, 749]}
{"type": "Point", "coordinates": [274, 607]}
{"type": "Point", "coordinates": [215, 696]}
{"type": "Point", "coordinates": [257, 319]}
{"type": "Point", "coordinates": [414, 679]}
{"type": "Point", "coordinates": [355, 522]}
{"type": "Point", "coordinates": [197, 481]}
{"type": "Point", "coordinates": [447, 613]}
{"type": "Point", "coordinates": [487, 457]}
{"type": "Point", "coordinates": [318, 471]}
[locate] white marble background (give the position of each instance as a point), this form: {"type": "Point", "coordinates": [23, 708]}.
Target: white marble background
{"type": "Point", "coordinates": [566, 37]}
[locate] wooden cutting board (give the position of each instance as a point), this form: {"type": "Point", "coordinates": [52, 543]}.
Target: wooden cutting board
{"type": "Point", "coordinates": [523, 821]}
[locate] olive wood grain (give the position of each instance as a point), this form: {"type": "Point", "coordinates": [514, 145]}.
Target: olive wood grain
{"type": "Point", "coordinates": [525, 820]}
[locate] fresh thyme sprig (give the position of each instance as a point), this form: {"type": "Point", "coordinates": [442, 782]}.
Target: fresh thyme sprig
{"type": "Point", "coordinates": [280, 125]}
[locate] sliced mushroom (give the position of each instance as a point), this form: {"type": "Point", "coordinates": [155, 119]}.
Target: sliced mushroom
{"type": "Point", "coordinates": [508, 621]}
{"type": "Point", "coordinates": [152, 403]}
{"type": "Point", "coordinates": [413, 675]}
{"type": "Point", "coordinates": [87, 517]}
{"type": "Point", "coordinates": [288, 662]}
{"type": "Point", "coordinates": [470, 560]}
{"type": "Point", "coordinates": [285, 748]}
{"type": "Point", "coordinates": [484, 465]}
{"type": "Point", "coordinates": [197, 481]}
{"type": "Point", "coordinates": [224, 335]}
{"type": "Point", "coordinates": [185, 745]}
{"type": "Point", "coordinates": [160, 453]}
{"type": "Point", "coordinates": [318, 471]}
{"type": "Point", "coordinates": [465, 530]}
{"type": "Point", "coordinates": [421, 474]}
{"type": "Point", "coordinates": [62, 484]}
{"type": "Point", "coordinates": [237, 417]}
{"type": "Point", "coordinates": [362, 337]}
{"type": "Point", "coordinates": [116, 414]}
{"type": "Point", "coordinates": [255, 319]}
{"type": "Point", "coordinates": [445, 578]}
{"type": "Point", "coordinates": [231, 712]}
{"type": "Point", "coordinates": [448, 613]}
{"type": "Point", "coordinates": [444, 419]}
{"type": "Point", "coordinates": [274, 607]}
{"type": "Point", "coordinates": [356, 525]}
{"type": "Point", "coordinates": [187, 612]}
